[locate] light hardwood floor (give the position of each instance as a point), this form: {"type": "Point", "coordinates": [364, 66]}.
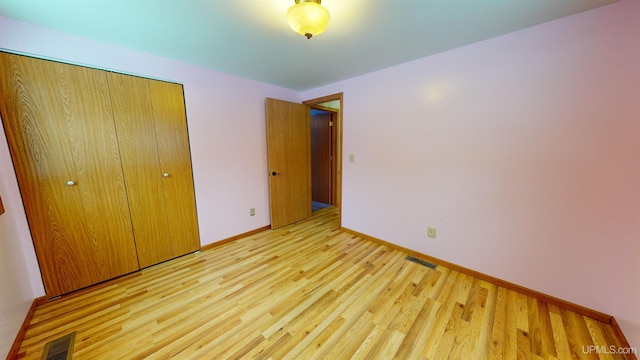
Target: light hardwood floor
{"type": "Point", "coordinates": [310, 291]}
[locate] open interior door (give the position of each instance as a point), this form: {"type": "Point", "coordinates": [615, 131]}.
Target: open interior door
{"type": "Point", "coordinates": [289, 160]}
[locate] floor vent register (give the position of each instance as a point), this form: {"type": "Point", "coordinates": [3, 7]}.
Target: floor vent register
{"type": "Point", "coordinates": [421, 262]}
{"type": "Point", "coordinates": [60, 348]}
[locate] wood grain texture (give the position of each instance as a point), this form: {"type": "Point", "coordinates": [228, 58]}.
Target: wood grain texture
{"type": "Point", "coordinates": [234, 238]}
{"type": "Point", "coordinates": [58, 123]}
{"type": "Point", "coordinates": [496, 281]}
{"type": "Point", "coordinates": [310, 291]}
{"type": "Point", "coordinates": [170, 121]}
{"type": "Point", "coordinates": [289, 155]}
{"type": "Point", "coordinates": [133, 113]}
{"type": "Point", "coordinates": [22, 332]}
{"type": "Point", "coordinates": [151, 123]}
{"type": "Point", "coordinates": [619, 334]}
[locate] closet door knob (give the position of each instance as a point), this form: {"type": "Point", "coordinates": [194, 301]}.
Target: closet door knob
{"type": "Point", "coordinates": [71, 183]}
{"type": "Point", "coordinates": [165, 175]}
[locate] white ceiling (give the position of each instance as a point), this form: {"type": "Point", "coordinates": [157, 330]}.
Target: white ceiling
{"type": "Point", "coordinates": [251, 38]}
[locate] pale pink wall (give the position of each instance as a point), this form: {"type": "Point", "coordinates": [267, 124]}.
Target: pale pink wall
{"type": "Point", "coordinates": [523, 151]}
{"type": "Point", "coordinates": [17, 261]}
{"type": "Point", "coordinates": [228, 142]}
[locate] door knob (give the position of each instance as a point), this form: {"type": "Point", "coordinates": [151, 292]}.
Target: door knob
{"type": "Point", "coordinates": [71, 183]}
{"type": "Point", "coordinates": [165, 175]}
{"type": "Point", "coordinates": [274, 173]}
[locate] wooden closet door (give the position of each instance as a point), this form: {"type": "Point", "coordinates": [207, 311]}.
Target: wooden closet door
{"type": "Point", "coordinates": [60, 130]}
{"type": "Point", "coordinates": [175, 161]}
{"type": "Point", "coordinates": [154, 142]}
{"type": "Point", "coordinates": [133, 114]}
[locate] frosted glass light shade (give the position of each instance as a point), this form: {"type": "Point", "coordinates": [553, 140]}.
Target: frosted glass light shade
{"type": "Point", "coordinates": [308, 18]}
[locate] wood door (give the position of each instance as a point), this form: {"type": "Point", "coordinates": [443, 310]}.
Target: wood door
{"type": "Point", "coordinates": [289, 161]}
{"type": "Point", "coordinates": [133, 113]}
{"type": "Point", "coordinates": [170, 121]}
{"type": "Point", "coordinates": [321, 161]}
{"type": "Point", "coordinates": [150, 119]}
{"type": "Point", "coordinates": [60, 130]}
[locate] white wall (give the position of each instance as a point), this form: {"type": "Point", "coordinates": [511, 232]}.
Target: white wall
{"type": "Point", "coordinates": [523, 151]}
{"type": "Point", "coordinates": [228, 145]}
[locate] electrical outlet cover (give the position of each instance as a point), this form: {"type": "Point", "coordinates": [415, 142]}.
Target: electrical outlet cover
{"type": "Point", "coordinates": [431, 232]}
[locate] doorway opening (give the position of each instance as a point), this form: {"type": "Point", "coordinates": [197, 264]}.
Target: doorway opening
{"type": "Point", "coordinates": [322, 158]}
{"type": "Point", "coordinates": [326, 149]}
{"type": "Point", "coordinates": [289, 158]}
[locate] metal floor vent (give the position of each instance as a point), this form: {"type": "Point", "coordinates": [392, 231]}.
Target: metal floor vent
{"type": "Point", "coordinates": [60, 348]}
{"type": "Point", "coordinates": [421, 262]}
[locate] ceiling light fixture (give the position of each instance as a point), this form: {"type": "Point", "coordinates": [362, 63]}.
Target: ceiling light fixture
{"type": "Point", "coordinates": [308, 17]}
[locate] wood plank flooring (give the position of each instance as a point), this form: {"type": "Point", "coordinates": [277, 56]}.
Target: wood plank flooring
{"type": "Point", "coordinates": [310, 291]}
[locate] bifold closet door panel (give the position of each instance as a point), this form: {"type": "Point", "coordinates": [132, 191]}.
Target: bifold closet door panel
{"type": "Point", "coordinates": [133, 115]}
{"type": "Point", "coordinates": [175, 160]}
{"type": "Point", "coordinates": [60, 129]}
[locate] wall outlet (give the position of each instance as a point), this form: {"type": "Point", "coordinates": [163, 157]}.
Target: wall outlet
{"type": "Point", "coordinates": [431, 232]}
{"type": "Point", "coordinates": [252, 211]}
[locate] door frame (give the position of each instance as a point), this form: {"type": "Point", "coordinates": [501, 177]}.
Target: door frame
{"type": "Point", "coordinates": [337, 164]}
